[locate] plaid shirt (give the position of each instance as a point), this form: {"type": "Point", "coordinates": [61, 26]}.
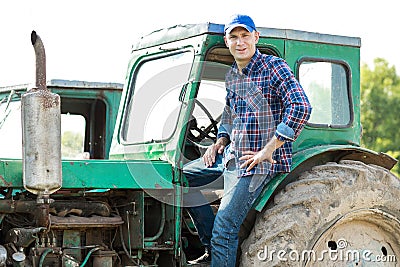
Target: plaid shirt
{"type": "Point", "coordinates": [265, 101]}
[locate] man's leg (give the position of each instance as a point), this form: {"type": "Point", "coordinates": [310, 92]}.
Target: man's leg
{"type": "Point", "coordinates": [235, 205]}
{"type": "Point", "coordinates": [200, 177]}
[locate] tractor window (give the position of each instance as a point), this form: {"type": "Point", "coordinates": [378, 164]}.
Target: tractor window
{"type": "Point", "coordinates": [153, 109]}
{"type": "Point", "coordinates": [326, 85]}
{"type": "Point", "coordinates": [76, 142]}
{"type": "Point", "coordinates": [73, 136]}
{"type": "Point", "coordinates": [85, 119]}
{"type": "Point", "coordinates": [10, 130]}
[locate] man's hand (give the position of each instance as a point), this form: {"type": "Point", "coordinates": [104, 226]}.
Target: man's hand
{"type": "Point", "coordinates": [253, 158]}
{"type": "Point", "coordinates": [218, 147]}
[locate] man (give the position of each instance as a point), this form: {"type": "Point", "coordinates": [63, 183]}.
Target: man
{"type": "Point", "coordinates": [266, 109]}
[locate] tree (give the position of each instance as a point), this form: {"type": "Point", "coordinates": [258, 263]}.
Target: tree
{"type": "Point", "coordinates": [71, 144]}
{"type": "Point", "coordinates": [380, 108]}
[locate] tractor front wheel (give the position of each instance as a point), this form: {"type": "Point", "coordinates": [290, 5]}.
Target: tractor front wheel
{"type": "Point", "coordinates": [337, 214]}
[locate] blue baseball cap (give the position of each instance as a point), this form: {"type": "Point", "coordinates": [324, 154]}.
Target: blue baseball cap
{"type": "Point", "coordinates": [239, 20]}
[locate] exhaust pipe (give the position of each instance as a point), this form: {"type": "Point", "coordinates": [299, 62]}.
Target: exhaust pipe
{"type": "Point", "coordinates": [41, 137]}
{"type": "Point", "coordinates": [40, 61]}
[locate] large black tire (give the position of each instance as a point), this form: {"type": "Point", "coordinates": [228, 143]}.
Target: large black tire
{"type": "Point", "coordinates": [338, 214]}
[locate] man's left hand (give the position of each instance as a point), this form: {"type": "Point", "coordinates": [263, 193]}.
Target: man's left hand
{"type": "Point", "coordinates": [253, 158]}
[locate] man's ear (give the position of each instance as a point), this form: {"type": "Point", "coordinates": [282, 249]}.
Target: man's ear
{"type": "Point", "coordinates": [257, 36]}
{"type": "Point", "coordinates": [225, 40]}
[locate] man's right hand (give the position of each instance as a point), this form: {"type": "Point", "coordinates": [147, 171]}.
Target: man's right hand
{"type": "Point", "coordinates": [211, 152]}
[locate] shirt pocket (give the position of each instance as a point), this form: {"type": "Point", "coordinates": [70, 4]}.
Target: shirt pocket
{"type": "Point", "coordinates": [263, 118]}
{"type": "Point", "coordinates": [255, 100]}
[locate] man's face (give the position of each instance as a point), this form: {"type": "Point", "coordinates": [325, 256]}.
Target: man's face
{"type": "Point", "coordinates": [241, 44]}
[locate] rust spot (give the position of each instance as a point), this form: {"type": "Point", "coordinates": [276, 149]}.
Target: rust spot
{"type": "Point", "coordinates": [4, 181]}
{"type": "Point", "coordinates": [157, 186]}
{"type": "Point", "coordinates": [71, 163]}
{"type": "Point", "coordinates": [49, 100]}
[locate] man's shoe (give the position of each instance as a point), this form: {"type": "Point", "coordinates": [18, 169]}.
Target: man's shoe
{"type": "Point", "coordinates": [205, 258]}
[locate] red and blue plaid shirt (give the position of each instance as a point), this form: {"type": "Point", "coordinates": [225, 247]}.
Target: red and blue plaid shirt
{"type": "Point", "coordinates": [266, 100]}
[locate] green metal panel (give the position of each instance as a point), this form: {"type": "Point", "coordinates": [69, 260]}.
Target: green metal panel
{"type": "Point", "coordinates": [277, 45]}
{"type": "Point", "coordinates": [105, 174]}
{"type": "Point", "coordinates": [72, 238]}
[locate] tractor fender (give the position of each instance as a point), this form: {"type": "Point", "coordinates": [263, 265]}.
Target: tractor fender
{"type": "Point", "coordinates": [307, 158]}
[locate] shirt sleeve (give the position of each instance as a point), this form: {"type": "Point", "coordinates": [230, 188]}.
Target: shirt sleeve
{"type": "Point", "coordinates": [297, 108]}
{"type": "Point", "coordinates": [225, 128]}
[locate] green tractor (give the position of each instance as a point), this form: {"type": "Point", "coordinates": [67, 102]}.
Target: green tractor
{"type": "Point", "coordinates": [95, 175]}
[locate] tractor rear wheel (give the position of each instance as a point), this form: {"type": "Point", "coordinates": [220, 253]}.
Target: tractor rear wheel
{"type": "Point", "coordinates": [337, 214]}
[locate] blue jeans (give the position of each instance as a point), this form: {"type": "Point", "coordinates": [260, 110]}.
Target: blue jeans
{"type": "Point", "coordinates": [201, 177]}
{"type": "Point", "coordinates": [239, 196]}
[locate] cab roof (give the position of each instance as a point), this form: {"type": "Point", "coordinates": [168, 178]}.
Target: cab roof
{"type": "Point", "coordinates": [59, 83]}
{"type": "Point", "coordinates": [180, 32]}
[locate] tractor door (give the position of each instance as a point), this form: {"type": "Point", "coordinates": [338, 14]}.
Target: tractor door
{"type": "Point", "coordinates": [329, 75]}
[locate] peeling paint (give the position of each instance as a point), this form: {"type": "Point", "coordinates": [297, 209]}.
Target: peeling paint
{"type": "Point", "coordinates": [157, 186]}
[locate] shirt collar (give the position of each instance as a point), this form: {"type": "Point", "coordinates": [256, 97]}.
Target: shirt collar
{"type": "Point", "coordinates": [246, 70]}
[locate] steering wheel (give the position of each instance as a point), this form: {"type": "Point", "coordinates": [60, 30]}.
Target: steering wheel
{"type": "Point", "coordinates": [203, 133]}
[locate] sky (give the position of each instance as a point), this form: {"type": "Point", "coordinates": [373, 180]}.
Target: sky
{"type": "Point", "coordinates": [91, 40]}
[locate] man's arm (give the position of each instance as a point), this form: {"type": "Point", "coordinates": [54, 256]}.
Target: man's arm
{"type": "Point", "coordinates": [296, 106]}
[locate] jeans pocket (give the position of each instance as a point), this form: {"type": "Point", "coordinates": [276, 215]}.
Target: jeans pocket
{"type": "Point", "coordinates": [231, 165]}
{"type": "Point", "coordinates": [230, 175]}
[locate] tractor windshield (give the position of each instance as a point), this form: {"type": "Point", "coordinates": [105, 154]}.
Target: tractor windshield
{"type": "Point", "coordinates": [154, 105]}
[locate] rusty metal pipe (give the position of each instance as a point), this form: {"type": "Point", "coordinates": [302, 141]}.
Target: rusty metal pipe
{"type": "Point", "coordinates": [15, 206]}
{"type": "Point", "coordinates": [40, 61]}
{"type": "Point", "coordinates": [41, 132]}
